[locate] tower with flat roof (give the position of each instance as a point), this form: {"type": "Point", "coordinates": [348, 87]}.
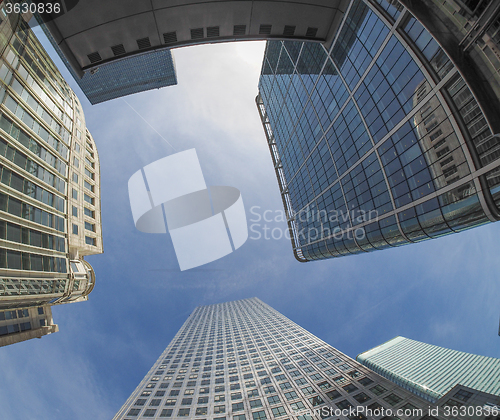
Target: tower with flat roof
{"type": "Point", "coordinates": [243, 360]}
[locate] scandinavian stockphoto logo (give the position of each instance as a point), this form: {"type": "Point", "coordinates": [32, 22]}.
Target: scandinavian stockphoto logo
{"type": "Point", "coordinates": [205, 223]}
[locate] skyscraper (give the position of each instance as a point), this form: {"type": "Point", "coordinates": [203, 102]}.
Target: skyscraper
{"type": "Point", "coordinates": [244, 360]}
{"type": "Point", "coordinates": [386, 138]}
{"type": "Point", "coordinates": [50, 216]}
{"type": "Point", "coordinates": [431, 371]}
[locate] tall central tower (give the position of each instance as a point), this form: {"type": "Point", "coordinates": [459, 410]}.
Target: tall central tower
{"type": "Point", "coordinates": [243, 360]}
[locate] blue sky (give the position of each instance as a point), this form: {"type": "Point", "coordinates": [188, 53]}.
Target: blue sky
{"type": "Point", "coordinates": [443, 292]}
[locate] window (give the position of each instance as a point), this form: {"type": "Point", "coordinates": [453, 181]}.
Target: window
{"type": "Point", "coordinates": [233, 387]}
{"type": "Point", "coordinates": [236, 396]}
{"type": "Point", "coordinates": [75, 211]}
{"type": "Point", "coordinates": [269, 390]}
{"type": "Point", "coordinates": [259, 415]}
{"type": "Point", "coordinates": [393, 399]}
{"type": "Point", "coordinates": [308, 390]}
{"type": "Point", "coordinates": [333, 394]}
{"type": "Point", "coordinates": [238, 407]}
{"type": "Point", "coordinates": [219, 409]}
{"type": "Point", "coordinates": [255, 403]}
{"type": "Point", "coordinates": [134, 412]}
{"type": "Point", "coordinates": [149, 412]}
{"type": "Point", "coordinates": [74, 194]}
{"type": "Point", "coordinates": [76, 162]}
{"type": "Point", "coordinates": [344, 404]}
{"type": "Point", "coordinates": [239, 417]}
{"type": "Point", "coordinates": [285, 385]}
{"type": "Point", "coordinates": [184, 412]}
{"type": "Point", "coordinates": [279, 411]}
{"type": "Point", "coordinates": [90, 241]}
{"type": "Point", "coordinates": [220, 398]}
{"type": "Point", "coordinates": [361, 397]}
{"type": "Point", "coordinates": [186, 401]}
{"type": "Point", "coordinates": [350, 388]}
{"type": "Point", "coordinates": [463, 395]}
{"type": "Point", "coordinates": [75, 177]}
{"type": "Point", "coordinates": [297, 406]}
{"type": "Point", "coordinates": [202, 400]}
{"type": "Point", "coordinates": [167, 412]}
{"type": "Point", "coordinates": [90, 226]}
{"type": "Point", "coordinates": [90, 187]}
{"type": "Point", "coordinates": [174, 392]}
{"type": "Point", "coordinates": [253, 393]}
{"type": "Point", "coordinates": [365, 381]}
{"type": "Point", "coordinates": [140, 401]}
{"type": "Point", "coordinates": [75, 229]}
{"type": "Point", "coordinates": [274, 399]}
{"type": "Point", "coordinates": [219, 388]}
{"type": "Point", "coordinates": [300, 381]}
{"type": "Point", "coordinates": [324, 385]}
{"type": "Point", "coordinates": [170, 401]}
{"type": "Point", "coordinates": [88, 199]}
{"type": "Point", "coordinates": [89, 174]}
{"type": "Point", "coordinates": [201, 411]}
{"type": "Point", "coordinates": [378, 390]}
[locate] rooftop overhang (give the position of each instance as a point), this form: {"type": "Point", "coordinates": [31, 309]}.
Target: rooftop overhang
{"type": "Point", "coordinates": [95, 32]}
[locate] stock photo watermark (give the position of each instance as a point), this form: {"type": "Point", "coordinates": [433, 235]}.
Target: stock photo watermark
{"type": "Point", "coordinates": [205, 223]}
{"type": "Point", "coordinates": [263, 224]}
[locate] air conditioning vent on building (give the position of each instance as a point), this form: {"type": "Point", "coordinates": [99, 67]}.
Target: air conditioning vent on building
{"type": "Point", "coordinates": [197, 33]}
{"type": "Point", "coordinates": [212, 31]}
{"type": "Point", "coordinates": [265, 29]}
{"type": "Point", "coordinates": [94, 57]}
{"type": "Point", "coordinates": [239, 29]}
{"type": "Point", "coordinates": [143, 43]}
{"type": "Point", "coordinates": [311, 32]}
{"type": "Point", "coordinates": [118, 49]}
{"type": "Point", "coordinates": [170, 37]}
{"type": "Point", "coordinates": [289, 30]}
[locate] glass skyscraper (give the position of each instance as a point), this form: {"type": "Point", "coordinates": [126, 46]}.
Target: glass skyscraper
{"type": "Point", "coordinates": [50, 215]}
{"type": "Point", "coordinates": [431, 371]}
{"type": "Point", "coordinates": [243, 360]}
{"type": "Point", "coordinates": [380, 140]}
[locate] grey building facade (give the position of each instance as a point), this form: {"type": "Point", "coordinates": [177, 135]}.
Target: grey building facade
{"type": "Point", "coordinates": [243, 360]}
{"type": "Point", "coordinates": [431, 371]}
{"type": "Point", "coordinates": [384, 139]}
{"type": "Point", "coordinates": [50, 216]}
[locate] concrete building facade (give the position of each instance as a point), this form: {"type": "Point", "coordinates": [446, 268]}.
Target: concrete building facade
{"type": "Point", "coordinates": [50, 215]}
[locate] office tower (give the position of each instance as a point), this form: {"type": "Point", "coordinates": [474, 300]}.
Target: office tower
{"type": "Point", "coordinates": [91, 36]}
{"type": "Point", "coordinates": [243, 360]}
{"type": "Point", "coordinates": [386, 138]}
{"type": "Point", "coordinates": [50, 215]}
{"type": "Point", "coordinates": [431, 371]}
